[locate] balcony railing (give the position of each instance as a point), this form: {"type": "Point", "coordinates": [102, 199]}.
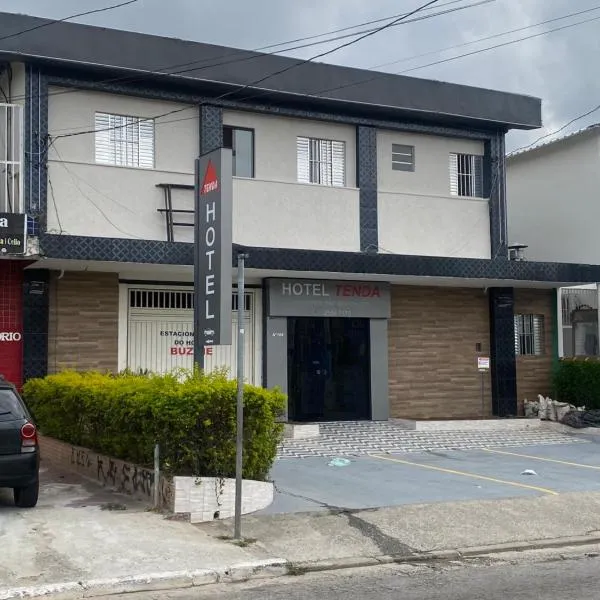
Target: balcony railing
{"type": "Point", "coordinates": [171, 214]}
{"type": "Point", "coordinates": [11, 159]}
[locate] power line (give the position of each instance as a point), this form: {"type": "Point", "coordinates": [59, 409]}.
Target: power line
{"type": "Point", "coordinates": [60, 227]}
{"type": "Point", "coordinates": [336, 38]}
{"type": "Point", "coordinates": [62, 163]}
{"type": "Point", "coordinates": [55, 21]}
{"type": "Point", "coordinates": [552, 133]}
{"type": "Point", "coordinates": [382, 75]}
{"type": "Point", "coordinates": [243, 87]}
{"type": "Point", "coordinates": [342, 29]}
{"type": "Point", "coordinates": [340, 47]}
{"type": "Point", "coordinates": [529, 37]}
{"type": "Point", "coordinates": [481, 50]}
{"type": "Point", "coordinates": [483, 39]}
{"type": "Point", "coordinates": [197, 63]}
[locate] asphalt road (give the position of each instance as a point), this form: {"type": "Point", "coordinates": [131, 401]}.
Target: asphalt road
{"type": "Point", "coordinates": [519, 578]}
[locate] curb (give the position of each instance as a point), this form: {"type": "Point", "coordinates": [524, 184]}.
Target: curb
{"type": "Point", "coordinates": [265, 569]}
{"type": "Point", "coordinates": [562, 428]}
{"type": "Point", "coordinates": [439, 555]}
{"type": "Point", "coordinates": [152, 582]}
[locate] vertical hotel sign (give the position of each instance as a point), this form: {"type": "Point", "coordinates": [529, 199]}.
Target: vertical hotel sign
{"type": "Point", "coordinates": [213, 251]}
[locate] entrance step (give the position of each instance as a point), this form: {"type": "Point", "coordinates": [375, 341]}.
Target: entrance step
{"type": "Point", "coordinates": [469, 425]}
{"type": "Point", "coordinates": [301, 431]}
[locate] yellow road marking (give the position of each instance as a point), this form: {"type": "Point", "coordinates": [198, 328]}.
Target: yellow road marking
{"type": "Point", "coordinates": [552, 460]}
{"type": "Point", "coordinates": [465, 474]}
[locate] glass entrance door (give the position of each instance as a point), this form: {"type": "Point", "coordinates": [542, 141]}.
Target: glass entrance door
{"type": "Point", "coordinates": [328, 369]}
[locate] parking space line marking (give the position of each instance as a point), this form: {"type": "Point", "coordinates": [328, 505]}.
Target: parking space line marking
{"type": "Point", "coordinates": [465, 474]}
{"type": "Point", "coordinates": [552, 460]}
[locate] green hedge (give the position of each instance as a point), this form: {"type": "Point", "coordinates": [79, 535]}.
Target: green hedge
{"type": "Point", "coordinates": [577, 381]}
{"type": "Point", "coordinates": [193, 418]}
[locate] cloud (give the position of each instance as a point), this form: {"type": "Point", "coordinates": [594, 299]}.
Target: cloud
{"type": "Point", "coordinates": [559, 67]}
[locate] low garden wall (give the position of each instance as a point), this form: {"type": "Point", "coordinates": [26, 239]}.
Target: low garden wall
{"type": "Point", "coordinates": [106, 426]}
{"type": "Point", "coordinates": [118, 475]}
{"type": "Point", "coordinates": [198, 498]}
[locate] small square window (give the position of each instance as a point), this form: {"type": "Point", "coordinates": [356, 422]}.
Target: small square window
{"type": "Point", "coordinates": [403, 157]}
{"type": "Point", "coordinates": [529, 335]}
{"type": "Point", "coordinates": [466, 175]}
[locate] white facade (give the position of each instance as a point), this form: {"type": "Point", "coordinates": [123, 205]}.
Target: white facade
{"type": "Point", "coordinates": [552, 201]}
{"type": "Point", "coordinates": [271, 209]}
{"type": "Point", "coordinates": [417, 212]}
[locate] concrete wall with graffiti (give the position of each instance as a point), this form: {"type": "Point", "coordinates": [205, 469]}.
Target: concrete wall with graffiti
{"type": "Point", "coordinates": [121, 476]}
{"type": "Point", "coordinates": [199, 498]}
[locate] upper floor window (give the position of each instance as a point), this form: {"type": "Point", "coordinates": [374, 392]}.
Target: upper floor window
{"type": "Point", "coordinates": [466, 175]}
{"type": "Point", "coordinates": [321, 161]}
{"type": "Point", "coordinates": [403, 157]}
{"type": "Point", "coordinates": [124, 141]}
{"type": "Point", "coordinates": [529, 335]}
{"type": "Point", "coordinates": [241, 143]}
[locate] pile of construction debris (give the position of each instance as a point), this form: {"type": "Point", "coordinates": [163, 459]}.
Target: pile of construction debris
{"type": "Point", "coordinates": [547, 409]}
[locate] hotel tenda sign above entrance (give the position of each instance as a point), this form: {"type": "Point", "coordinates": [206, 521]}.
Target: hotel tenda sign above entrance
{"type": "Point", "coordinates": [328, 298]}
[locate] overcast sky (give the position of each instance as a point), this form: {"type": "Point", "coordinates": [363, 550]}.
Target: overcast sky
{"type": "Point", "coordinates": [561, 67]}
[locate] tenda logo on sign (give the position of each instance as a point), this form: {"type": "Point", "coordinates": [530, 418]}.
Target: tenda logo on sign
{"type": "Point", "coordinates": [211, 181]}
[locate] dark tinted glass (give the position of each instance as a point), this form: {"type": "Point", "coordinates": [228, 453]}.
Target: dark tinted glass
{"type": "Point", "coordinates": [11, 407]}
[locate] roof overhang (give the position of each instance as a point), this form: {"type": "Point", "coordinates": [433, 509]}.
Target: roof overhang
{"type": "Point", "coordinates": [213, 70]}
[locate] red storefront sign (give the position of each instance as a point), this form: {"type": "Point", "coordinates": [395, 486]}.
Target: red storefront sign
{"type": "Point", "coordinates": [11, 320]}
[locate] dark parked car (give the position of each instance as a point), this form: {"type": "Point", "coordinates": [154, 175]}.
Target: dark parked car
{"type": "Point", "coordinates": [19, 450]}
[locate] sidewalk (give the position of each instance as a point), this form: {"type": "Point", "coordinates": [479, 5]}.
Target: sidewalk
{"type": "Point", "coordinates": [81, 538]}
{"type": "Point", "coordinates": [411, 530]}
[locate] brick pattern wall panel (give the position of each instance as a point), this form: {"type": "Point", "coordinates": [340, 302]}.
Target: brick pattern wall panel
{"type": "Point", "coordinates": [495, 189]}
{"type": "Point", "coordinates": [35, 323]}
{"type": "Point", "coordinates": [534, 373]}
{"type": "Point", "coordinates": [502, 341]}
{"type": "Point", "coordinates": [366, 181]}
{"type": "Point", "coordinates": [211, 128]}
{"type": "Point", "coordinates": [11, 320]}
{"type": "Point", "coordinates": [433, 334]}
{"type": "Point", "coordinates": [83, 323]}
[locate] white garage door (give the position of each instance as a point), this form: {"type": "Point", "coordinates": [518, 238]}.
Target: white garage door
{"type": "Point", "coordinates": [160, 336]}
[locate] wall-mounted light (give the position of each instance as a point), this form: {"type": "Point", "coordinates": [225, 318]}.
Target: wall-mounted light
{"type": "Point", "coordinates": [517, 251]}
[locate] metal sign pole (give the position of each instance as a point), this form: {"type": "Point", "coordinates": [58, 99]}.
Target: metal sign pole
{"type": "Point", "coordinates": [482, 395]}
{"type": "Point", "coordinates": [240, 398]}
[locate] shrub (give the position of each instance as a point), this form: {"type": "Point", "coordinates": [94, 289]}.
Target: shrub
{"type": "Point", "coordinates": [577, 381]}
{"type": "Point", "coordinates": [193, 418]}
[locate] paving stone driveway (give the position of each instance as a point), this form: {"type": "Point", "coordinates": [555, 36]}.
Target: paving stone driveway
{"type": "Point", "coordinates": [356, 438]}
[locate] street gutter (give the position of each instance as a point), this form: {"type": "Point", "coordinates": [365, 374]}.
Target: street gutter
{"type": "Point", "coordinates": [268, 569]}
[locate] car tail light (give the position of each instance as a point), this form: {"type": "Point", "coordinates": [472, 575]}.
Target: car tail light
{"type": "Point", "coordinates": [29, 439]}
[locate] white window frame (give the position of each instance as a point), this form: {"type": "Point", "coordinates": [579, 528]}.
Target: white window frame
{"type": "Point", "coordinates": [321, 161]}
{"type": "Point", "coordinates": [124, 141]}
{"type": "Point", "coordinates": [11, 159]}
{"type": "Point", "coordinates": [529, 335]}
{"type": "Point", "coordinates": [466, 175]}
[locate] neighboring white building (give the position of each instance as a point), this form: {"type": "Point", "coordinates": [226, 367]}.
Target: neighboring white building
{"type": "Point", "coordinates": [553, 209]}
